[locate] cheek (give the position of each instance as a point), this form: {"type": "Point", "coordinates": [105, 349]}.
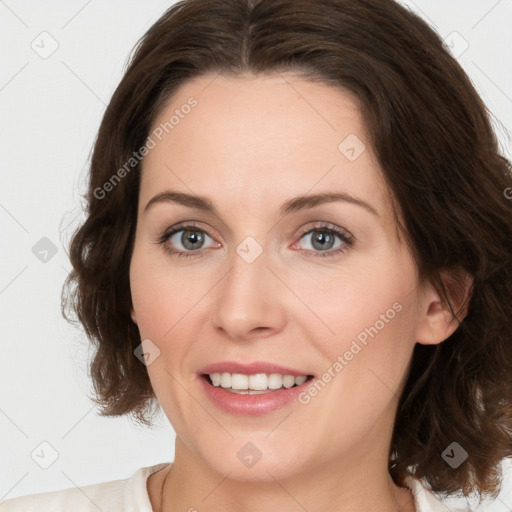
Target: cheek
{"type": "Point", "coordinates": [150, 297]}
{"type": "Point", "coordinates": [371, 314]}
{"type": "Point", "coordinates": [366, 361]}
{"type": "Point", "coordinates": [376, 346]}
{"type": "Point", "coordinates": [170, 307]}
{"type": "Point", "coordinates": [160, 293]}
{"type": "Point", "coordinates": [160, 303]}
{"type": "Point", "coordinates": [366, 300]}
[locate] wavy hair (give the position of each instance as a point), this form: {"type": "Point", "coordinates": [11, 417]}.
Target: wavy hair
{"type": "Point", "coordinates": [434, 140]}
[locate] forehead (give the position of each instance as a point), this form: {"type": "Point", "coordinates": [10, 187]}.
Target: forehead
{"type": "Point", "coordinates": [259, 140]}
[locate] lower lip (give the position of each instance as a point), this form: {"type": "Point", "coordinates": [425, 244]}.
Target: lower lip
{"type": "Point", "coordinates": [251, 405]}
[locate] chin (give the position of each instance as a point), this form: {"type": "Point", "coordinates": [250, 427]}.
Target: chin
{"type": "Point", "coordinates": [258, 461]}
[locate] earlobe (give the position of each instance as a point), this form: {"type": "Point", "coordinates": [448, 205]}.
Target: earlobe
{"type": "Point", "coordinates": [438, 322]}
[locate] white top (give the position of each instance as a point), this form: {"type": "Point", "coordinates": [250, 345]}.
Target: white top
{"type": "Point", "coordinates": [131, 495]}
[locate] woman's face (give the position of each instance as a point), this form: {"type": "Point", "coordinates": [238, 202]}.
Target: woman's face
{"type": "Point", "coordinates": [267, 285]}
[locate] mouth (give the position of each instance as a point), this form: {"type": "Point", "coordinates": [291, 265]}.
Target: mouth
{"type": "Point", "coordinates": [255, 384]}
{"type": "Point", "coordinates": [252, 388]}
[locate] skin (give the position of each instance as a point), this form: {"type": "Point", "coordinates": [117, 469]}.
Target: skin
{"type": "Point", "coordinates": [251, 143]}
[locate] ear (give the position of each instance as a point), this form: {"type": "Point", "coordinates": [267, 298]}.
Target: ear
{"type": "Point", "coordinates": [437, 322]}
{"type": "Point", "coordinates": [132, 314]}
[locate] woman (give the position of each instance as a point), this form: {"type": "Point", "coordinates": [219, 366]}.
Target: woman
{"type": "Point", "coordinates": [298, 244]}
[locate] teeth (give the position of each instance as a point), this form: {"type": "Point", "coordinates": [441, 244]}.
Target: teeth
{"type": "Point", "coordinates": [256, 382]}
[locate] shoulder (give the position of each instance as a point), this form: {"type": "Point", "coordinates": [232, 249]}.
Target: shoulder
{"type": "Point", "coordinates": [426, 501]}
{"type": "Point", "coordinates": [105, 496]}
{"type": "Point", "coordinates": [116, 496]}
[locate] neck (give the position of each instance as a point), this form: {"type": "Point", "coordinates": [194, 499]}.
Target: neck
{"type": "Point", "coordinates": [355, 484]}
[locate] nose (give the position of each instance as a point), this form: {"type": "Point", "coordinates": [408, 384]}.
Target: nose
{"type": "Point", "coordinates": [249, 302]}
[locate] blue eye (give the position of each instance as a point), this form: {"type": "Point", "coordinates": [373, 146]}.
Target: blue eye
{"type": "Point", "coordinates": [324, 239]}
{"type": "Point", "coordinates": [193, 238]}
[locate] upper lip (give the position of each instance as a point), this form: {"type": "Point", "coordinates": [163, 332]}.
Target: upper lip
{"type": "Point", "coordinates": [250, 368]}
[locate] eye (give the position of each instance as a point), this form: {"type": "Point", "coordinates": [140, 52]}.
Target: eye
{"type": "Point", "coordinates": [190, 237]}
{"type": "Point", "coordinates": [323, 240]}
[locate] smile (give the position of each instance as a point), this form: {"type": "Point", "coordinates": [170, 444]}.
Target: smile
{"type": "Point", "coordinates": [257, 383]}
{"type": "Point", "coordinates": [255, 394]}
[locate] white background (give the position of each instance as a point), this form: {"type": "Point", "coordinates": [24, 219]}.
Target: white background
{"type": "Point", "coordinates": [50, 110]}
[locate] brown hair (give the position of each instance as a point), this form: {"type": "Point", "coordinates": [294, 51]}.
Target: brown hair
{"type": "Point", "coordinates": [433, 138]}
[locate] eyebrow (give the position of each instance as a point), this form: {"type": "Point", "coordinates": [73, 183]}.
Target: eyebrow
{"type": "Point", "coordinates": [292, 205]}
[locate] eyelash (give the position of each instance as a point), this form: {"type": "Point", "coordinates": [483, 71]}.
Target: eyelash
{"type": "Point", "coordinates": [324, 227]}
